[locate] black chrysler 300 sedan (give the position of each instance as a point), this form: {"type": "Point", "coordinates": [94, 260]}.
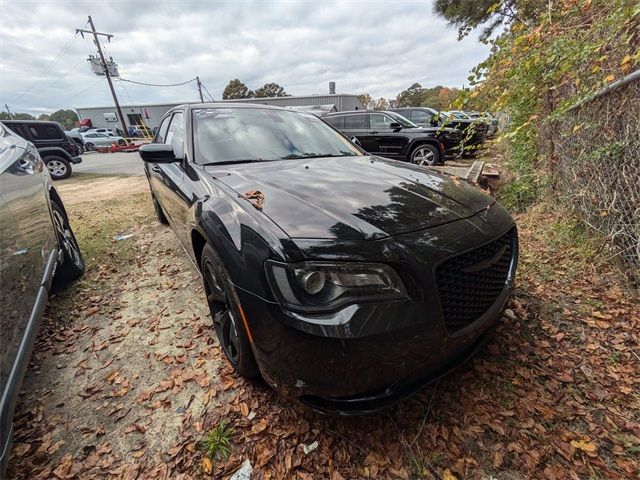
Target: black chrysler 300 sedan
{"type": "Point", "coordinates": [348, 281]}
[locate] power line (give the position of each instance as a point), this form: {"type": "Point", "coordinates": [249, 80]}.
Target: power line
{"type": "Point", "coordinates": [83, 90]}
{"type": "Point", "coordinates": [206, 90]}
{"type": "Point", "coordinates": [157, 85]}
{"type": "Point", "coordinates": [55, 61]}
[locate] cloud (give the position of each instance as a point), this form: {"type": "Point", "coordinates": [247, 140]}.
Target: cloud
{"type": "Point", "coordinates": [374, 47]}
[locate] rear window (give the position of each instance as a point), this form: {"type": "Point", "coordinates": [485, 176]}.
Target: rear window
{"type": "Point", "coordinates": [45, 132]}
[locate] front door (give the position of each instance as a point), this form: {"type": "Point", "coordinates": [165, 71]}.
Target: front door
{"type": "Point", "coordinates": [166, 178]}
{"type": "Point", "coordinates": [27, 239]}
{"type": "Point", "coordinates": [384, 140]}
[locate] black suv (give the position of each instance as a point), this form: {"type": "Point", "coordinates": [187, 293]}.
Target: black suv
{"type": "Point", "coordinates": [391, 135]}
{"type": "Point", "coordinates": [57, 150]}
{"type": "Point", "coordinates": [473, 130]}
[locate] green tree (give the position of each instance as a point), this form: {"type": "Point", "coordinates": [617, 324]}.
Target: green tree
{"type": "Point", "coordinates": [67, 118]}
{"type": "Point", "coordinates": [470, 14]}
{"type": "Point", "coordinates": [236, 89]}
{"type": "Point", "coordinates": [411, 97]}
{"type": "Point", "coordinates": [270, 90]}
{"type": "Point", "coordinates": [16, 116]}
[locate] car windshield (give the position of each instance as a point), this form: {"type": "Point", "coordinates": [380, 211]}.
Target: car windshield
{"type": "Point", "coordinates": [227, 135]}
{"type": "Point", "coordinates": [405, 122]}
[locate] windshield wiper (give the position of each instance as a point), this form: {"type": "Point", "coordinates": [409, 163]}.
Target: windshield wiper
{"type": "Point", "coordinates": [241, 160]}
{"type": "Point", "coordinates": [320, 155]}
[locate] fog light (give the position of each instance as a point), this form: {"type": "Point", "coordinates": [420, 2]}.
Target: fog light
{"type": "Point", "coordinates": [314, 282]}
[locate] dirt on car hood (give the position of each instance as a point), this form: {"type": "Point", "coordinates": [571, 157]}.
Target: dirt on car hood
{"type": "Point", "coordinates": [353, 198]}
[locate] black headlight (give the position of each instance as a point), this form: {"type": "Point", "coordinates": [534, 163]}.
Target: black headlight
{"type": "Point", "coordinates": [328, 286]}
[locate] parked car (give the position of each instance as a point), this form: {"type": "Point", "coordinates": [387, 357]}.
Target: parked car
{"type": "Point", "coordinates": [139, 131]}
{"type": "Point", "coordinates": [473, 132]}
{"type": "Point", "coordinates": [39, 255]}
{"type": "Point", "coordinates": [346, 280]}
{"type": "Point", "coordinates": [104, 131]}
{"type": "Point", "coordinates": [56, 149]}
{"type": "Point", "coordinates": [458, 114]}
{"type": "Point", "coordinates": [93, 139]}
{"type": "Point", "coordinates": [77, 138]}
{"type": "Point", "coordinates": [393, 136]}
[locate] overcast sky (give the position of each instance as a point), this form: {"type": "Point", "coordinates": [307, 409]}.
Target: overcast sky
{"type": "Point", "coordinates": [376, 47]}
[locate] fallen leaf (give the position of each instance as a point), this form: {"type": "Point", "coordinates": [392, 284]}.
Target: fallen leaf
{"type": "Point", "coordinates": [585, 446]}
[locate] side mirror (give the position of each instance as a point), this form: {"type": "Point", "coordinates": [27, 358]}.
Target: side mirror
{"type": "Point", "coordinates": [395, 126]}
{"type": "Point", "coordinates": [157, 153]}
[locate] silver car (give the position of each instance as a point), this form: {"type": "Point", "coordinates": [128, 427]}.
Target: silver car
{"type": "Point", "coordinates": [94, 139]}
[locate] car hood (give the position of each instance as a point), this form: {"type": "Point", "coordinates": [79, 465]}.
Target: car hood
{"type": "Point", "coordinates": [353, 198]}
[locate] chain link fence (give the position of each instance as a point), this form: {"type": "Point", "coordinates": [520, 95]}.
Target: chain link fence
{"type": "Point", "coordinates": [596, 167]}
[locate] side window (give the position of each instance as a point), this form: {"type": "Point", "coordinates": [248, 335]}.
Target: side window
{"type": "Point", "coordinates": [356, 121]}
{"type": "Point", "coordinates": [44, 132]}
{"type": "Point", "coordinates": [379, 120]}
{"type": "Point", "coordinates": [175, 134]}
{"type": "Point", "coordinates": [337, 122]}
{"type": "Point", "coordinates": [420, 116]}
{"type": "Point", "coordinates": [162, 131]}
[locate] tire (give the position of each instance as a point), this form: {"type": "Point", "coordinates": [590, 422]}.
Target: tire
{"type": "Point", "coordinates": [80, 147]}
{"type": "Point", "coordinates": [122, 142]}
{"type": "Point", "coordinates": [89, 147]}
{"type": "Point", "coordinates": [226, 314]}
{"type": "Point", "coordinates": [425, 154]}
{"type": "Point", "coordinates": [72, 265]}
{"type": "Point", "coordinates": [162, 218]}
{"type": "Point", "coordinates": [58, 167]}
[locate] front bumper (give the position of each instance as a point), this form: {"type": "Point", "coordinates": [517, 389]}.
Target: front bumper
{"type": "Point", "coordinates": [75, 160]}
{"type": "Point", "coordinates": [371, 355]}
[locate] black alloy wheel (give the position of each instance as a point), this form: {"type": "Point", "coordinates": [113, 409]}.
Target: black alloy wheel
{"type": "Point", "coordinates": [225, 312]}
{"type": "Point", "coordinates": [72, 264]}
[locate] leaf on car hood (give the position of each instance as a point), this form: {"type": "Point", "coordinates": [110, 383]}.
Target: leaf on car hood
{"type": "Point", "coordinates": [256, 197]}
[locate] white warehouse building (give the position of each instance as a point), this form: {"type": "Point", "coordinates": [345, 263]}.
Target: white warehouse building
{"type": "Point", "coordinates": [151, 114]}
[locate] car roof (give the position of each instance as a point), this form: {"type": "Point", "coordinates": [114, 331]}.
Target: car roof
{"type": "Point", "coordinates": [199, 106]}
{"type": "Point", "coordinates": [32, 122]}
{"type": "Point", "coordinates": [353, 112]}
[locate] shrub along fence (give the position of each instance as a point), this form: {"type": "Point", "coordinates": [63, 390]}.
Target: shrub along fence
{"type": "Point", "coordinates": [596, 167]}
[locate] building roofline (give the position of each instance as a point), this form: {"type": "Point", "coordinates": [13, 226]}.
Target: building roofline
{"type": "Point", "coordinates": [238, 100]}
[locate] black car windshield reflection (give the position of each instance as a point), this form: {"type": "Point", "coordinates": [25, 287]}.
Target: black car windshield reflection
{"type": "Point", "coordinates": [235, 135]}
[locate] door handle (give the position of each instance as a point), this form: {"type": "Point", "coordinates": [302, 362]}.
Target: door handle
{"type": "Point", "coordinates": [374, 131]}
{"type": "Point", "coordinates": [156, 168]}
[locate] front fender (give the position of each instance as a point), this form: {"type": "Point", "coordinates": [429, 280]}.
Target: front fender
{"type": "Point", "coordinates": [54, 151]}
{"type": "Point", "coordinates": [243, 239]}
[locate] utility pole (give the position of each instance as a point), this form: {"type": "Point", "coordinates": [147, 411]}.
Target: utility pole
{"type": "Point", "coordinates": [105, 68]}
{"type": "Point", "coordinates": [11, 114]}
{"type": "Point", "coordinates": [200, 89]}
